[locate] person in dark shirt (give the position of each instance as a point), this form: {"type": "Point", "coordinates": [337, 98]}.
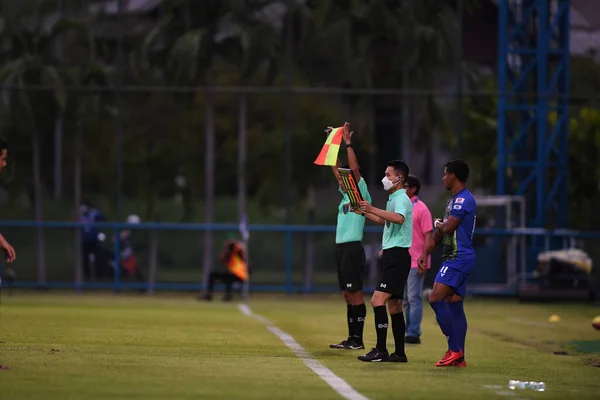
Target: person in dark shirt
{"type": "Point", "coordinates": [89, 235]}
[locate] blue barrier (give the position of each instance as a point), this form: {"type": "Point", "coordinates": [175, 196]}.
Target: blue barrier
{"type": "Point", "coordinates": [287, 230]}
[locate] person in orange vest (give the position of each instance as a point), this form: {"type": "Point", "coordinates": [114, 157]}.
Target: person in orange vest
{"type": "Point", "coordinates": [234, 258]}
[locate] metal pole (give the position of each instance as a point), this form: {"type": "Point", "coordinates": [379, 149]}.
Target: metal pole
{"type": "Point", "coordinates": [119, 144]}
{"type": "Point", "coordinates": [542, 112]}
{"type": "Point", "coordinates": [288, 121]}
{"type": "Point", "coordinates": [404, 141]}
{"type": "Point", "coordinates": [77, 197]}
{"type": "Point", "coordinates": [153, 265]}
{"type": "Point", "coordinates": [117, 270]}
{"type": "Point", "coordinates": [565, 42]}
{"type": "Point", "coordinates": [288, 263]}
{"type": "Point", "coordinates": [288, 151]}
{"type": "Point", "coordinates": [242, 209]}
{"type": "Point", "coordinates": [209, 177]}
{"type": "Point", "coordinates": [459, 81]}
{"type": "Point", "coordinates": [502, 100]}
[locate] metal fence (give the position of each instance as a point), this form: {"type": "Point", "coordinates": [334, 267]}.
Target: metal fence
{"type": "Point", "coordinates": [278, 256]}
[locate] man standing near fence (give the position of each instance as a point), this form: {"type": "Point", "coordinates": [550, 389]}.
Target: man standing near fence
{"type": "Point", "coordinates": [90, 244]}
{"type": "Point", "coordinates": [422, 228]}
{"type": "Point", "coordinates": [397, 219]}
{"type": "Point", "coordinates": [455, 233]}
{"type": "Point", "coordinates": [349, 252]}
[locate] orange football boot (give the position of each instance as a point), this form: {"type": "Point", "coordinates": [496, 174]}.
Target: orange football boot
{"type": "Point", "coordinates": [460, 362]}
{"type": "Point", "coordinates": [450, 358]}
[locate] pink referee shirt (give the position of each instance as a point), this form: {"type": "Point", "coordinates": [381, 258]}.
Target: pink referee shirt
{"type": "Point", "coordinates": [422, 223]}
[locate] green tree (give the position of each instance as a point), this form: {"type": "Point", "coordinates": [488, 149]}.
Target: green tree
{"type": "Point", "coordinates": [197, 34]}
{"type": "Point", "coordinates": [30, 39]}
{"type": "Point", "coordinates": [480, 125]}
{"type": "Point", "coordinates": [381, 44]}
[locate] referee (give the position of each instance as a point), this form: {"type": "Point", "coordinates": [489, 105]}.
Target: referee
{"type": "Point", "coordinates": [349, 252]}
{"type": "Point", "coordinates": [395, 262]}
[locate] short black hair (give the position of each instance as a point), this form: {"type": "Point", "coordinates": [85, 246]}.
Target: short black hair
{"type": "Point", "coordinates": [459, 168]}
{"type": "Point", "coordinates": [413, 181]}
{"type": "Point", "coordinates": [3, 144]}
{"type": "Point", "coordinates": [400, 167]}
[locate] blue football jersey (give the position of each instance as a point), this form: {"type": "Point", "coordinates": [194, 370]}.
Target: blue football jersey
{"type": "Point", "coordinates": [459, 245]}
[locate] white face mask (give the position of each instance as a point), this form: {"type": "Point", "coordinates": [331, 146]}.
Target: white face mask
{"type": "Point", "coordinates": [387, 183]}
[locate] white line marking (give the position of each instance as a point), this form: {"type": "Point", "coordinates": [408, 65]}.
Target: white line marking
{"type": "Point", "coordinates": [245, 309]}
{"type": "Point", "coordinates": [338, 384]}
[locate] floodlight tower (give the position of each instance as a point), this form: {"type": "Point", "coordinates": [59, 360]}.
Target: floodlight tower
{"type": "Point", "coordinates": [533, 109]}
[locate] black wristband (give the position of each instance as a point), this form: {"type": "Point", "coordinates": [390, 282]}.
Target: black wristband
{"type": "Point", "coordinates": [363, 214]}
{"type": "Point", "coordinates": [348, 145]}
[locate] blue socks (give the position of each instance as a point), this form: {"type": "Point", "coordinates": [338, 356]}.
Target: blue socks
{"type": "Point", "coordinates": [460, 322]}
{"type": "Point", "coordinates": [446, 321]}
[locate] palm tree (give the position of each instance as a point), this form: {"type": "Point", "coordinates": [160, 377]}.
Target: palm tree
{"type": "Point", "coordinates": [31, 41]}
{"type": "Point", "coordinates": [379, 44]}
{"type": "Point", "coordinates": [190, 37]}
{"type": "Point", "coordinates": [89, 108]}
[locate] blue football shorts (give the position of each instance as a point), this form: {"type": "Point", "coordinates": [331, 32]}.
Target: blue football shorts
{"type": "Point", "coordinates": [455, 273]}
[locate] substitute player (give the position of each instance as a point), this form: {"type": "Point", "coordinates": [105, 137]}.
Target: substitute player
{"type": "Point", "coordinates": [455, 233]}
{"type": "Point", "coordinates": [349, 252]}
{"type": "Point", "coordinates": [397, 219]}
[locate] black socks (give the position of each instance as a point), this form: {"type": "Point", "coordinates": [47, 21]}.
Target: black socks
{"type": "Point", "coordinates": [399, 330]}
{"type": "Point", "coordinates": [381, 327]}
{"type": "Point", "coordinates": [359, 313]}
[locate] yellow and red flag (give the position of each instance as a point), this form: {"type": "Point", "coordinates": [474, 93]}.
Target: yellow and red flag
{"type": "Point", "coordinates": [331, 148]}
{"type": "Point", "coordinates": [238, 267]}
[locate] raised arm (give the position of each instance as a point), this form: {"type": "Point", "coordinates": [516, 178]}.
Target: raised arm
{"type": "Point", "coordinates": [352, 160]}
{"type": "Point", "coordinates": [335, 171]}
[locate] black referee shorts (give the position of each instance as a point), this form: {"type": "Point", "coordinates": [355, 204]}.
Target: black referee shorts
{"type": "Point", "coordinates": [395, 267]}
{"type": "Point", "coordinates": [350, 260]}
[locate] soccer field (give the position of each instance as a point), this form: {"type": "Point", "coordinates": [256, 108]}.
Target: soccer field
{"type": "Point", "coordinates": [170, 346]}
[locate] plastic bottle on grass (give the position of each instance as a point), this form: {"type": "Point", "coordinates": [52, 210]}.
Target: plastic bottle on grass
{"type": "Point", "coordinates": [527, 385]}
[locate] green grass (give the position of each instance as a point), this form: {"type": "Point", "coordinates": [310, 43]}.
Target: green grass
{"type": "Point", "coordinates": [98, 346]}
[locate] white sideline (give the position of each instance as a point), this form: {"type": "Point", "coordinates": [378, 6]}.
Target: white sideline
{"type": "Point", "coordinates": [338, 384]}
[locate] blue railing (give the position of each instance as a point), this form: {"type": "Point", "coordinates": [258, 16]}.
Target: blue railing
{"type": "Point", "coordinates": [286, 230]}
